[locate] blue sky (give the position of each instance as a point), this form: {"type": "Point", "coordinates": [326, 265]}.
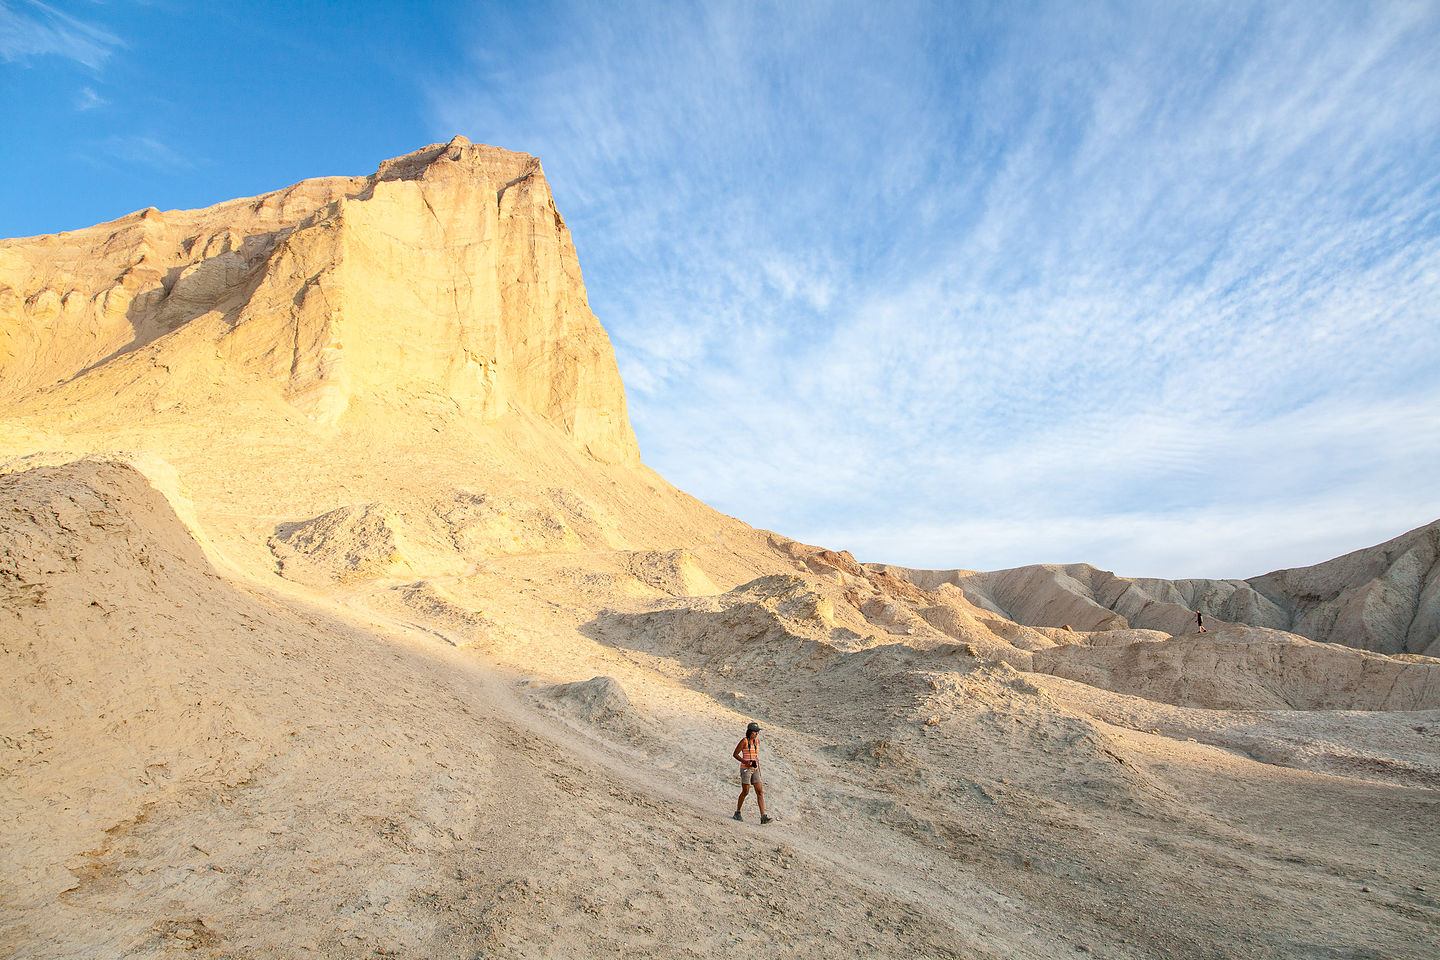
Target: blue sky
{"type": "Point", "coordinates": [1150, 285]}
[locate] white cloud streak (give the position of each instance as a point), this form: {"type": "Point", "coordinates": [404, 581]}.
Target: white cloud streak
{"type": "Point", "coordinates": [89, 100]}
{"type": "Point", "coordinates": [872, 273]}
{"type": "Point", "coordinates": [31, 29]}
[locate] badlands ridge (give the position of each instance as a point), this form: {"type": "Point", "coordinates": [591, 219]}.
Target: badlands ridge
{"type": "Point", "coordinates": [340, 617]}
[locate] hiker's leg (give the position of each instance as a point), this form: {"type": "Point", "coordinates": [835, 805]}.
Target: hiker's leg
{"type": "Point", "coordinates": [760, 797]}
{"type": "Point", "coordinates": [744, 792]}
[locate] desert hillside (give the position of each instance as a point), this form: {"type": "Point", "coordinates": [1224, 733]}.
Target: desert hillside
{"type": "Point", "coordinates": [340, 617]}
{"type": "Point", "coordinates": [1384, 598]}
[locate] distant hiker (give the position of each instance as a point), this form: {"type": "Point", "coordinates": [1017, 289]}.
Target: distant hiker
{"type": "Point", "coordinates": [1200, 621]}
{"type": "Point", "coordinates": [747, 751]}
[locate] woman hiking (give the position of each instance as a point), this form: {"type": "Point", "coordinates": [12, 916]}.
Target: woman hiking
{"type": "Point", "coordinates": [747, 751]}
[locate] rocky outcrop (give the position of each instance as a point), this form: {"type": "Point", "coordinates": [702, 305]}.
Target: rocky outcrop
{"type": "Point", "coordinates": [1384, 598]}
{"type": "Point", "coordinates": [448, 274]}
{"type": "Point", "coordinates": [436, 537]}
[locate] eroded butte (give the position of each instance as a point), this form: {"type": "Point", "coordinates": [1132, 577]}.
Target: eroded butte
{"type": "Point", "coordinates": [340, 617]}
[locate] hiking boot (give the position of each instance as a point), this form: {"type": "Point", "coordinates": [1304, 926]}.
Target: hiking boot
{"type": "Point", "coordinates": [738, 817]}
{"type": "Point", "coordinates": [765, 819]}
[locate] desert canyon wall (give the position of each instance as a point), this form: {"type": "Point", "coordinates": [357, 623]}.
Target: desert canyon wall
{"type": "Point", "coordinates": [448, 273]}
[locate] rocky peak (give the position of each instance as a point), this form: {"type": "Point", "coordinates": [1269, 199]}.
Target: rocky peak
{"type": "Point", "coordinates": [459, 158]}
{"type": "Point", "coordinates": [447, 273]}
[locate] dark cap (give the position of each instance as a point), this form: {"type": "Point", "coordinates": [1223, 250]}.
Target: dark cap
{"type": "Point", "coordinates": [753, 728]}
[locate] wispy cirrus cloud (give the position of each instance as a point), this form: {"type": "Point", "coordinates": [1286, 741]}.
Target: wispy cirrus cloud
{"type": "Point", "coordinates": [145, 152]}
{"type": "Point", "coordinates": [89, 100]}
{"type": "Point", "coordinates": [869, 271]}
{"type": "Point", "coordinates": [31, 29]}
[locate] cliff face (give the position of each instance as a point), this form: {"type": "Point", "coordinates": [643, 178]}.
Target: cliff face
{"type": "Point", "coordinates": [448, 274]}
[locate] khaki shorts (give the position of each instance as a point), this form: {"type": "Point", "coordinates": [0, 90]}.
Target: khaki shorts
{"type": "Point", "coordinates": [749, 775]}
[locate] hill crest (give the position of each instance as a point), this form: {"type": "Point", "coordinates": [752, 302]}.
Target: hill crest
{"type": "Point", "coordinates": [449, 274]}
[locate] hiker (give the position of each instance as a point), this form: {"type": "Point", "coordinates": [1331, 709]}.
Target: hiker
{"type": "Point", "coordinates": [747, 751]}
{"type": "Point", "coordinates": [1200, 621]}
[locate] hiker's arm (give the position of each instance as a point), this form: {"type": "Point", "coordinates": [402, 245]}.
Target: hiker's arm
{"type": "Point", "coordinates": [736, 753]}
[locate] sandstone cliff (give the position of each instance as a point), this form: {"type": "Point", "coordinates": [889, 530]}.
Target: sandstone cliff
{"type": "Point", "coordinates": [448, 274]}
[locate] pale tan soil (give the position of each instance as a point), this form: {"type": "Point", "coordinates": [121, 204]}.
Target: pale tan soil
{"type": "Point", "coordinates": [311, 658]}
{"type": "Point", "coordinates": [355, 784]}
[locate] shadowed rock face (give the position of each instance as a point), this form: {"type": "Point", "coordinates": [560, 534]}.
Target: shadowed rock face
{"type": "Point", "coordinates": [1384, 598]}
{"type": "Point", "coordinates": [447, 274]}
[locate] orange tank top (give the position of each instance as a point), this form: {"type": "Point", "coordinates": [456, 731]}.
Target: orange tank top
{"type": "Point", "coordinates": [749, 753]}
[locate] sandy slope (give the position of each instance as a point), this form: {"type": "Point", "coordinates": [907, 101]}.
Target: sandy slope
{"type": "Point", "coordinates": [251, 774]}
{"type": "Point", "coordinates": [246, 773]}
{"type": "Point", "coordinates": [445, 672]}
